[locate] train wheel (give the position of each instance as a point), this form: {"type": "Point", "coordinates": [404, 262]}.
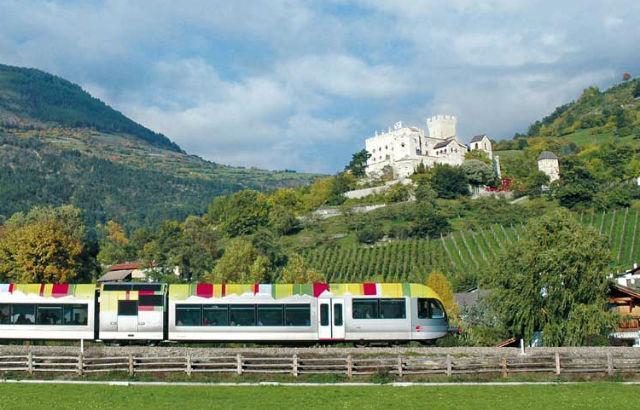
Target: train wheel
{"type": "Point", "coordinates": [360, 344]}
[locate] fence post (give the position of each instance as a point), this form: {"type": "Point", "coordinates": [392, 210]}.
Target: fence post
{"type": "Point", "coordinates": [399, 366]}
{"type": "Point", "coordinates": [294, 369]}
{"type": "Point", "coordinates": [80, 364]}
{"type": "Point", "coordinates": [503, 365]}
{"type": "Point", "coordinates": [189, 367]}
{"type": "Point", "coordinates": [349, 366]}
{"type": "Point", "coordinates": [557, 364]}
{"type": "Point", "coordinates": [239, 363]}
{"type": "Point", "coordinates": [449, 370]}
{"type": "Point", "coordinates": [131, 369]}
{"type": "Point", "coordinates": [30, 362]}
{"type": "Point", "coordinates": [609, 364]}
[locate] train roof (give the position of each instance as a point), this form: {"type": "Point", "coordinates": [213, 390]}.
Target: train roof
{"type": "Point", "coordinates": [279, 290]}
{"type": "Point", "coordinates": [81, 291]}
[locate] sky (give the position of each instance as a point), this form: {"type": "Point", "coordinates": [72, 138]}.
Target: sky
{"type": "Point", "coordinates": [293, 84]}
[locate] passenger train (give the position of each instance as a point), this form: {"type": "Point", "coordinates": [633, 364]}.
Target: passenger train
{"type": "Point", "coordinates": [152, 312]}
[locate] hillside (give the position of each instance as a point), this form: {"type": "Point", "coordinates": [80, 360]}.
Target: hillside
{"type": "Point", "coordinates": [58, 145]}
{"type": "Point", "coordinates": [31, 98]}
{"type": "Point", "coordinates": [464, 253]}
{"type": "Point", "coordinates": [595, 117]}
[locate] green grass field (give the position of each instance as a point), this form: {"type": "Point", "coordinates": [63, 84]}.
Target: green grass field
{"type": "Point", "coordinates": [587, 395]}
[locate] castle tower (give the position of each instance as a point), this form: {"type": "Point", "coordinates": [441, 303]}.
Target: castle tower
{"type": "Point", "coordinates": [548, 163]}
{"type": "Point", "coordinates": [442, 126]}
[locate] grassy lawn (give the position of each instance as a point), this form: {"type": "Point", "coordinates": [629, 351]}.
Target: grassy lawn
{"type": "Point", "coordinates": [587, 395]}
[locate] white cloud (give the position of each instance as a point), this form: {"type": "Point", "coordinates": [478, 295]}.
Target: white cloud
{"type": "Point", "coordinates": [298, 84]}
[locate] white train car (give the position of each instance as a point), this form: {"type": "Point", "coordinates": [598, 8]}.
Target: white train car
{"type": "Point", "coordinates": [321, 312]}
{"type": "Point", "coordinates": [132, 311]}
{"type": "Point", "coordinates": [47, 311]}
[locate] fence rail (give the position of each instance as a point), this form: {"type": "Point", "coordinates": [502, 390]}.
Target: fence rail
{"type": "Point", "coordinates": [349, 365]}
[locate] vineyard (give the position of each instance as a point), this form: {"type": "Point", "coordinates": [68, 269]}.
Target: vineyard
{"type": "Point", "coordinates": [463, 251]}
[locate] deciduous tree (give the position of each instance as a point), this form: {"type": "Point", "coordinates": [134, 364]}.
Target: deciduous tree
{"type": "Point", "coordinates": [554, 280]}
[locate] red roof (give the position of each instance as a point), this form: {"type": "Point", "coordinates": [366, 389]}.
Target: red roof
{"type": "Point", "coordinates": [126, 266]}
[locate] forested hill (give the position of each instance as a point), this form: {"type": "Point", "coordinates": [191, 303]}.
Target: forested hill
{"type": "Point", "coordinates": [594, 117]}
{"type": "Point", "coordinates": [59, 145]}
{"type": "Point", "coordinates": [33, 98]}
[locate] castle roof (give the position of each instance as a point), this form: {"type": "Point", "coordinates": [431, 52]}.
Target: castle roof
{"type": "Point", "coordinates": [547, 155]}
{"type": "Point", "coordinates": [478, 138]}
{"type": "Point", "coordinates": [443, 143]}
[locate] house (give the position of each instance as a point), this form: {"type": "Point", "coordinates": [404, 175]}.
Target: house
{"type": "Point", "coordinates": [626, 302]}
{"type": "Point", "coordinates": [124, 272]}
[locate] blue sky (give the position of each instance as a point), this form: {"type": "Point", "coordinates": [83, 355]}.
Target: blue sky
{"type": "Point", "coordinates": [300, 84]}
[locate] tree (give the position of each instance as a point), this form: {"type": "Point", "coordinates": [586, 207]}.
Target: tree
{"type": "Point", "coordinates": [397, 193]}
{"type": "Point", "coordinates": [449, 182]}
{"type": "Point", "coordinates": [358, 164]}
{"type": "Point", "coordinates": [341, 183]}
{"type": "Point", "coordinates": [283, 221]}
{"type": "Point", "coordinates": [115, 246]}
{"type": "Point", "coordinates": [192, 246]}
{"type": "Point", "coordinates": [441, 285]}
{"type": "Point", "coordinates": [423, 192]}
{"type": "Point", "coordinates": [554, 280]}
{"type": "Point", "coordinates": [240, 263]}
{"type": "Point", "coordinates": [46, 245]}
{"type": "Point", "coordinates": [241, 213]}
{"type": "Point", "coordinates": [535, 182]}
{"type": "Point", "coordinates": [297, 271]}
{"type": "Point", "coordinates": [478, 173]}
{"type": "Point", "coordinates": [576, 188]}
{"type": "Point", "coordinates": [636, 90]}
{"type": "Point", "coordinates": [428, 222]}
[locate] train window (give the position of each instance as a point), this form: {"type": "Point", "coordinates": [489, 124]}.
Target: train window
{"type": "Point", "coordinates": [337, 314]}
{"type": "Point", "coordinates": [215, 315]}
{"type": "Point", "coordinates": [127, 308]}
{"type": "Point", "coordinates": [242, 315]}
{"type": "Point", "coordinates": [365, 308]}
{"type": "Point", "coordinates": [393, 309]}
{"type": "Point", "coordinates": [324, 314]}
{"type": "Point", "coordinates": [49, 315]}
{"type": "Point", "coordinates": [75, 315]}
{"type": "Point", "coordinates": [270, 315]}
{"type": "Point", "coordinates": [297, 315]}
{"type": "Point", "coordinates": [188, 315]}
{"type": "Point", "coordinates": [436, 311]}
{"type": "Point", "coordinates": [23, 314]}
{"type": "Point", "coordinates": [151, 300]}
{"type": "Point", "coordinates": [5, 314]}
{"type": "Point", "coordinates": [423, 308]}
{"type": "Point", "coordinates": [430, 309]}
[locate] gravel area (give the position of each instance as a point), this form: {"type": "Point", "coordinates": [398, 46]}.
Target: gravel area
{"type": "Point", "coordinates": [92, 349]}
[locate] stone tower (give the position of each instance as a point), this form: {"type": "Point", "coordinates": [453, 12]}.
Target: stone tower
{"type": "Point", "coordinates": [442, 126]}
{"type": "Point", "coordinates": [548, 163]}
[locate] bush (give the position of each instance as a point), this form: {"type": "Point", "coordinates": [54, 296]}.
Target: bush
{"type": "Point", "coordinates": [369, 234]}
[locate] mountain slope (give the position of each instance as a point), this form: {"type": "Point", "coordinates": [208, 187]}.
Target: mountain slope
{"type": "Point", "coordinates": [59, 145]}
{"type": "Point", "coordinates": [595, 117]}
{"type": "Point", "coordinates": [33, 98]}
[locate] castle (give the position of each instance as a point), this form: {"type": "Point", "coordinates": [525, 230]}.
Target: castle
{"type": "Point", "coordinates": [402, 149]}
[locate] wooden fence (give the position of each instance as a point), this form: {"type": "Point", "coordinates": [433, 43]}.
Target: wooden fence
{"type": "Point", "coordinates": [348, 365]}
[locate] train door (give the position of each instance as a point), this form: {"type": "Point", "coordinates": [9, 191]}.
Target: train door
{"type": "Point", "coordinates": [337, 321]}
{"type": "Point", "coordinates": [331, 319]}
{"type": "Point", "coordinates": [127, 316]}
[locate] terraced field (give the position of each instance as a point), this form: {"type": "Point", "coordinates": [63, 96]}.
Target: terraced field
{"type": "Point", "coordinates": [462, 251]}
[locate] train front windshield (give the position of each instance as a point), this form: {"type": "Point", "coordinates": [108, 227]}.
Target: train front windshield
{"type": "Point", "coordinates": [431, 309]}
